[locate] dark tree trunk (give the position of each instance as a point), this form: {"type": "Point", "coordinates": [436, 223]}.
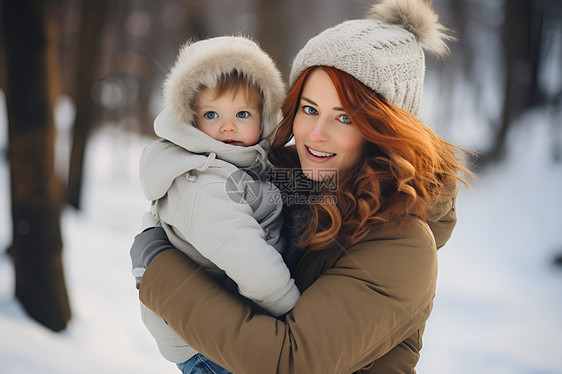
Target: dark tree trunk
{"type": "Point", "coordinates": [271, 31]}
{"type": "Point", "coordinates": [31, 77]}
{"type": "Point", "coordinates": [522, 41]}
{"type": "Point", "coordinates": [89, 49]}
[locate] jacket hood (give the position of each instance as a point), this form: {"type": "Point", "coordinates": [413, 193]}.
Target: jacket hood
{"type": "Point", "coordinates": [442, 217]}
{"type": "Point", "coordinates": [203, 62]}
{"type": "Point", "coordinates": [163, 161]}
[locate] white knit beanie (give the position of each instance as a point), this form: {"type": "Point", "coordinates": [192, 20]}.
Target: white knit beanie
{"type": "Point", "coordinates": [385, 51]}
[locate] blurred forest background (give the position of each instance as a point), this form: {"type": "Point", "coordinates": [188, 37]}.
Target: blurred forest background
{"type": "Point", "coordinates": [106, 60]}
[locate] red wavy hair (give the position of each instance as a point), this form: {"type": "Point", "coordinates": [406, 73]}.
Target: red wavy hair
{"type": "Point", "coordinates": [405, 166]}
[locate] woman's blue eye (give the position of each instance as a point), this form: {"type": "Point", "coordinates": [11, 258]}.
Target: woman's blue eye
{"type": "Point", "coordinates": [344, 118]}
{"type": "Point", "coordinates": [211, 115]}
{"type": "Point", "coordinates": [309, 110]}
{"type": "Point", "coordinates": [243, 114]}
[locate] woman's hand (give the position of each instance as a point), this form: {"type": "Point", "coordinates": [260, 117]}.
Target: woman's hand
{"type": "Point", "coordinates": [146, 246]}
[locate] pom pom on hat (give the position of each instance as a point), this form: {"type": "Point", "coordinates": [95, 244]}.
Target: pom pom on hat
{"type": "Point", "coordinates": [417, 17]}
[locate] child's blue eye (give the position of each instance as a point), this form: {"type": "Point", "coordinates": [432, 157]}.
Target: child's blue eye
{"type": "Point", "coordinates": [211, 115]}
{"type": "Point", "coordinates": [243, 114]}
{"type": "Point", "coordinates": [344, 118]}
{"type": "Point", "coordinates": [309, 110]}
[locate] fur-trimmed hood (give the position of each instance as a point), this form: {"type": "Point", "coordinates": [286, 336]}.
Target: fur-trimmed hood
{"type": "Point", "coordinates": [203, 62]}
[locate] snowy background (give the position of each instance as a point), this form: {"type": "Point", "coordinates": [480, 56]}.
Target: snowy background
{"type": "Point", "coordinates": [499, 297]}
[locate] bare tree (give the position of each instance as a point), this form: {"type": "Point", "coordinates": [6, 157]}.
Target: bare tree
{"type": "Point", "coordinates": [89, 48]}
{"type": "Point", "coordinates": [518, 64]}
{"type": "Point", "coordinates": [271, 29]}
{"type": "Point", "coordinates": [31, 82]}
{"type": "Point", "coordinates": [523, 41]}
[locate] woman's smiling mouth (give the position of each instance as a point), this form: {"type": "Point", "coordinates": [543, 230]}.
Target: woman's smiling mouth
{"type": "Point", "coordinates": [318, 156]}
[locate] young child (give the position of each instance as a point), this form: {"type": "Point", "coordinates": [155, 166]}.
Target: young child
{"type": "Point", "coordinates": [206, 180]}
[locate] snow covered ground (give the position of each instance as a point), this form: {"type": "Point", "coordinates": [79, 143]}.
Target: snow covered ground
{"type": "Point", "coordinates": [106, 334]}
{"type": "Point", "coordinates": [499, 299]}
{"type": "Point", "coordinates": [499, 296]}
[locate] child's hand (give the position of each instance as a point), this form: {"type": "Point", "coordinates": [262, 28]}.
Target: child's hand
{"type": "Point", "coordinates": [146, 246]}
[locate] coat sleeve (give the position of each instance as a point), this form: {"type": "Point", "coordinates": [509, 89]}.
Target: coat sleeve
{"type": "Point", "coordinates": [377, 295]}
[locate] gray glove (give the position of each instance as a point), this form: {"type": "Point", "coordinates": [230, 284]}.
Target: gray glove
{"type": "Point", "coordinates": [146, 246]}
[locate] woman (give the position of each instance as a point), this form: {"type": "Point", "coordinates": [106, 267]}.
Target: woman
{"type": "Point", "coordinates": [366, 262]}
